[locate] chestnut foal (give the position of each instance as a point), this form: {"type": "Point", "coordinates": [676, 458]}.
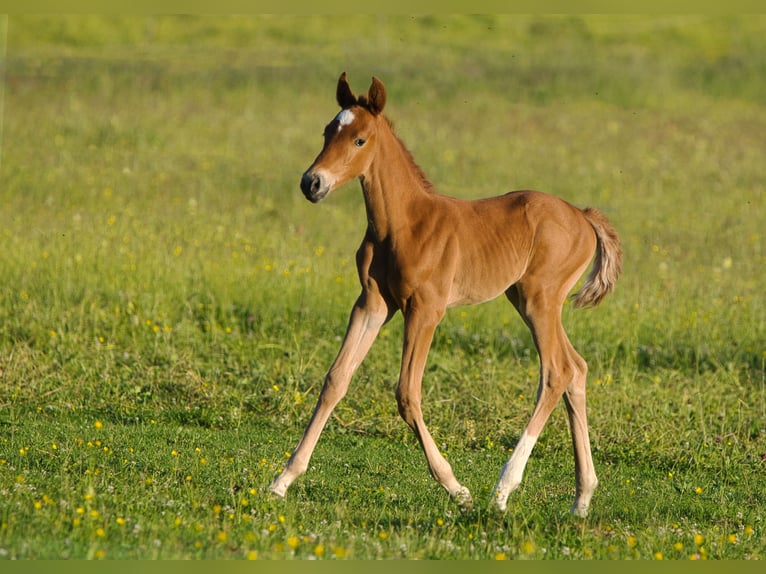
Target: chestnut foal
{"type": "Point", "coordinates": [424, 252]}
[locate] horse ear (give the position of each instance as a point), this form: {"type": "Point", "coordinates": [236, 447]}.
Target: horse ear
{"type": "Point", "coordinates": [376, 96]}
{"type": "Point", "coordinates": [343, 94]}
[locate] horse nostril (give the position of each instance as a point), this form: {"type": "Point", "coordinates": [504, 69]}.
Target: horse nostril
{"type": "Point", "coordinates": [307, 182]}
{"type": "Point", "coordinates": [312, 186]}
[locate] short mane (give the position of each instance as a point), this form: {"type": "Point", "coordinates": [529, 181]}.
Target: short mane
{"type": "Point", "coordinates": [408, 154]}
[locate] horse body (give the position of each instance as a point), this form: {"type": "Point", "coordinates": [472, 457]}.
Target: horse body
{"type": "Point", "coordinates": [424, 252]}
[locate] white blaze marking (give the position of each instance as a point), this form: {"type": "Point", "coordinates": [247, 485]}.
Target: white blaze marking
{"type": "Point", "coordinates": [345, 117]}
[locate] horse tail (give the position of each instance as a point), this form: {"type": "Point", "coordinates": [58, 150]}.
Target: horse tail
{"type": "Point", "coordinates": [607, 265]}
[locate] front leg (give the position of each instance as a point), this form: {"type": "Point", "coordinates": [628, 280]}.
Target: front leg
{"type": "Point", "coordinates": [369, 314]}
{"type": "Point", "coordinates": [419, 326]}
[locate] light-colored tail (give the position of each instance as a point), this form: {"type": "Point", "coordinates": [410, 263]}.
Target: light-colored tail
{"type": "Point", "coordinates": [607, 265]}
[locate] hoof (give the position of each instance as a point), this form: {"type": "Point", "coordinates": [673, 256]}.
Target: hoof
{"type": "Point", "coordinates": [579, 511]}
{"type": "Point", "coordinates": [498, 503]}
{"type": "Point", "coordinates": [464, 499]}
{"type": "Point", "coordinates": [277, 489]}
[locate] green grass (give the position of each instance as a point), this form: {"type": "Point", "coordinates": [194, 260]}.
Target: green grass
{"type": "Point", "coordinates": [169, 302]}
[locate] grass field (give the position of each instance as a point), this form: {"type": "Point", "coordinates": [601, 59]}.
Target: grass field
{"type": "Point", "coordinates": [169, 301]}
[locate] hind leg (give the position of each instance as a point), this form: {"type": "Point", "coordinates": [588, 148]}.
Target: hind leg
{"type": "Point", "coordinates": [561, 370]}
{"type": "Point", "coordinates": [585, 473]}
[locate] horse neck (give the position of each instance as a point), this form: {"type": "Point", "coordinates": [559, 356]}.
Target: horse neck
{"type": "Point", "coordinates": [393, 185]}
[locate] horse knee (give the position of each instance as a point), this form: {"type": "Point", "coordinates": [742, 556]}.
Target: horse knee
{"type": "Point", "coordinates": [334, 388]}
{"type": "Point", "coordinates": [409, 409]}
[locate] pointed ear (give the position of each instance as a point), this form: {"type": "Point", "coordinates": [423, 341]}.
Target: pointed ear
{"type": "Point", "coordinates": [376, 96]}
{"type": "Point", "coordinates": [343, 94]}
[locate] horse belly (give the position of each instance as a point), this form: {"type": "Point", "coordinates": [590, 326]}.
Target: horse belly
{"type": "Point", "coordinates": [483, 285]}
{"type": "Point", "coordinates": [486, 272]}
{"type": "Point", "coordinates": [456, 298]}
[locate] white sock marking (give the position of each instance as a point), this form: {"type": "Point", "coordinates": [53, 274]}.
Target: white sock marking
{"type": "Point", "coordinates": [513, 471]}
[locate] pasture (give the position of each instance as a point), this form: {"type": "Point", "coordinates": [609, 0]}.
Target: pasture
{"type": "Point", "coordinates": [170, 302]}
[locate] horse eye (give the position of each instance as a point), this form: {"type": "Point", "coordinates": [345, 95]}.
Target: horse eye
{"type": "Point", "coordinates": [359, 142]}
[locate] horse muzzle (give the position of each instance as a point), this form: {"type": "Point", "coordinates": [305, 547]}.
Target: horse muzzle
{"type": "Point", "coordinates": [314, 187]}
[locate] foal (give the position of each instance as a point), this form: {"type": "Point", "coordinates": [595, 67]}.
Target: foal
{"type": "Point", "coordinates": [424, 252]}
